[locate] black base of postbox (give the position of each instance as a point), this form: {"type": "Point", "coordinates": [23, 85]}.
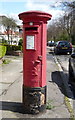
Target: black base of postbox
{"type": "Point", "coordinates": [34, 99]}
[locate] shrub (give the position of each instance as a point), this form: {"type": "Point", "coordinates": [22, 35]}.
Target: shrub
{"type": "Point", "coordinates": [73, 40]}
{"type": "Point", "coordinates": [2, 51]}
{"type": "Point", "coordinates": [20, 41]}
{"type": "Point", "coordinates": [13, 47]}
{"type": "Point", "coordinates": [3, 41]}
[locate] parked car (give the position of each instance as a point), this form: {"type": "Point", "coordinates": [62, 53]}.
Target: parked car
{"type": "Point", "coordinates": [72, 68]}
{"type": "Point", "coordinates": [50, 43]}
{"type": "Point", "coordinates": [63, 47]}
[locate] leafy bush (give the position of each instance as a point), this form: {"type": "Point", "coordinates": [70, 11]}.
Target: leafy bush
{"type": "Point", "coordinates": [73, 39]}
{"type": "Point", "coordinates": [13, 47]}
{"type": "Point", "coordinates": [20, 41]}
{"type": "Point", "coordinates": [2, 51]}
{"type": "Point", "coordinates": [3, 41]}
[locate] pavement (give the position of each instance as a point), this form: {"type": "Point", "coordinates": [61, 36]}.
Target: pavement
{"type": "Point", "coordinates": [11, 91]}
{"type": "Point", "coordinates": [63, 69]}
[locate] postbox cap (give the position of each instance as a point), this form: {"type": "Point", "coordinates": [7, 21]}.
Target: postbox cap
{"type": "Point", "coordinates": [35, 15]}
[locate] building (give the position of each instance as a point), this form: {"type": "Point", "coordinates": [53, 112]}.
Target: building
{"type": "Point", "coordinates": [14, 36]}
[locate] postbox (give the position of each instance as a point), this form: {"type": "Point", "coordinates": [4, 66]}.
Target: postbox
{"type": "Point", "coordinates": [34, 60]}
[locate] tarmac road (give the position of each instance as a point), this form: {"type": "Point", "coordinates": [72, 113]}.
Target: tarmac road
{"type": "Point", "coordinates": [64, 62]}
{"type": "Point", "coordinates": [11, 95]}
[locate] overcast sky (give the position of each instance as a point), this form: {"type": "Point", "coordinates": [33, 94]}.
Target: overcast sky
{"type": "Point", "coordinates": [13, 7]}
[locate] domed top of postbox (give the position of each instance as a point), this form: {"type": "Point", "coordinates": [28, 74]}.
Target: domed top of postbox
{"type": "Point", "coordinates": [34, 16]}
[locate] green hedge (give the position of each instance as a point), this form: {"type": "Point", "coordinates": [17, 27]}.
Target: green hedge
{"type": "Point", "coordinates": [13, 47]}
{"type": "Point", "coordinates": [2, 51]}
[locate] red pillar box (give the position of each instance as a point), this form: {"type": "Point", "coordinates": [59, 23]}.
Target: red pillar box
{"type": "Point", "coordinates": [34, 60]}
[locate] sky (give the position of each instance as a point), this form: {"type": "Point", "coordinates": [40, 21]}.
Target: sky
{"type": "Point", "coordinates": [12, 8]}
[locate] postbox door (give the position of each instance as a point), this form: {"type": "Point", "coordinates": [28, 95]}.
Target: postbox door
{"type": "Point", "coordinates": [35, 58]}
{"type": "Point", "coordinates": [32, 60]}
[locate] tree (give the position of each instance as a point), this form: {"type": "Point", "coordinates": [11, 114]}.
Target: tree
{"type": "Point", "coordinates": [63, 28]}
{"type": "Point", "coordinates": [70, 19]}
{"type": "Point", "coordinates": [9, 24]}
{"type": "Point", "coordinates": [57, 30]}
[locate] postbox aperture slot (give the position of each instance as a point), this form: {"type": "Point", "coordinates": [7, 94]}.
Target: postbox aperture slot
{"type": "Point", "coordinates": [31, 28]}
{"type": "Point", "coordinates": [30, 42]}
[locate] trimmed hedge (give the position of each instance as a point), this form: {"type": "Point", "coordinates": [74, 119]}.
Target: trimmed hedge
{"type": "Point", "coordinates": [13, 47]}
{"type": "Point", "coordinates": [2, 51]}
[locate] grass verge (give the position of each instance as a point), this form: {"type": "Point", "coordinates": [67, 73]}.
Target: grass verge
{"type": "Point", "coordinates": [67, 102]}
